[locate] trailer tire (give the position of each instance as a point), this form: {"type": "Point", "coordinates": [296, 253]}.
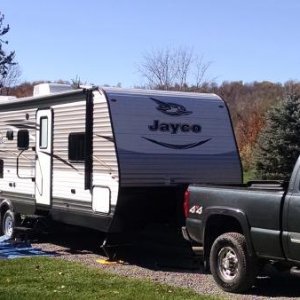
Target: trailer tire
{"type": "Point", "coordinates": [8, 223]}
{"type": "Point", "coordinates": [230, 264]}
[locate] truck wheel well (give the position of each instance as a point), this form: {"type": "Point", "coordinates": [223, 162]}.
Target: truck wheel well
{"type": "Point", "coordinates": [217, 225]}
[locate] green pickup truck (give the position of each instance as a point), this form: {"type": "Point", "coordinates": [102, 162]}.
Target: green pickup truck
{"type": "Point", "coordinates": [241, 228]}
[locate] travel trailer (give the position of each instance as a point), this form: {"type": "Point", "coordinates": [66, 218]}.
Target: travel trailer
{"type": "Point", "coordinates": [107, 158]}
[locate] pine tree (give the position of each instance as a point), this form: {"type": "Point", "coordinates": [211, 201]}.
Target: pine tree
{"type": "Point", "coordinates": [278, 145]}
{"type": "Point", "coordinates": [6, 59]}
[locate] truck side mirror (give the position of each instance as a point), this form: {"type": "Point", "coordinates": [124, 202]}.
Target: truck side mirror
{"type": "Point", "coordinates": [23, 139]}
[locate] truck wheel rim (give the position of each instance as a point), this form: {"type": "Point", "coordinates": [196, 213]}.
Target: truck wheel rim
{"type": "Point", "coordinates": [8, 226]}
{"type": "Point", "coordinates": [228, 264]}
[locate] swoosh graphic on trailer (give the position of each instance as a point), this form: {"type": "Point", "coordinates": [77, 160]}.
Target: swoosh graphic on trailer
{"type": "Point", "coordinates": [60, 159]}
{"type": "Point", "coordinates": [108, 138]}
{"type": "Point", "coordinates": [22, 124]}
{"type": "Point", "coordinates": [179, 147]}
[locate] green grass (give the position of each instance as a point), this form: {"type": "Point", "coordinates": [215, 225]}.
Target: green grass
{"type": "Point", "coordinates": [49, 278]}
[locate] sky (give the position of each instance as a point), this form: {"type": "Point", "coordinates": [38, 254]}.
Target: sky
{"type": "Point", "coordinates": [103, 42]}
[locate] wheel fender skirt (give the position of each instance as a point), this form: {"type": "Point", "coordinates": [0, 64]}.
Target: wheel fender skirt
{"type": "Point", "coordinates": [236, 214]}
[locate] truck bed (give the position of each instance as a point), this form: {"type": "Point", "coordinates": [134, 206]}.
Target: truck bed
{"type": "Point", "coordinates": [261, 201]}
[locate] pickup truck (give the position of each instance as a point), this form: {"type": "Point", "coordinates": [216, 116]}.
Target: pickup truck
{"type": "Point", "coordinates": [243, 227]}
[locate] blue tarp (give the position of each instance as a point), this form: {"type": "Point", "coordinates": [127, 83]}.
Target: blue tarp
{"type": "Point", "coordinates": [10, 249]}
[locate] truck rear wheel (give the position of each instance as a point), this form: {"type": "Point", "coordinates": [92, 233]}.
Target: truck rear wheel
{"type": "Point", "coordinates": [231, 266]}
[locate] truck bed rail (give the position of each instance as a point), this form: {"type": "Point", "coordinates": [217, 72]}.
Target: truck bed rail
{"type": "Point", "coordinates": [267, 184]}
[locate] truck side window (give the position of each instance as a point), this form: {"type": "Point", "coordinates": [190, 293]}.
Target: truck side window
{"type": "Point", "coordinates": [1, 168]}
{"type": "Point", "coordinates": [76, 147]}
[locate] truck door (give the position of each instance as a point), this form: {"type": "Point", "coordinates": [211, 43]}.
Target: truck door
{"type": "Point", "coordinates": [291, 222]}
{"type": "Point", "coordinates": [43, 167]}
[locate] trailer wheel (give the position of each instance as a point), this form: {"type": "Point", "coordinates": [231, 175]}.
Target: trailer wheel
{"type": "Point", "coordinates": [8, 224]}
{"type": "Point", "coordinates": [231, 266]}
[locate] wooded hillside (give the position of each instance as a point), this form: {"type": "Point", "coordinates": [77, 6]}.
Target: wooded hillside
{"type": "Point", "coordinates": [247, 102]}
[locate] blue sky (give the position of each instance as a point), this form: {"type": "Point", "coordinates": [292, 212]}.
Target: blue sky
{"type": "Point", "coordinates": [103, 41]}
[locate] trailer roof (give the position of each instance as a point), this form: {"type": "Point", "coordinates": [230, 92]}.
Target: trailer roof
{"type": "Point", "coordinates": [26, 102]}
{"type": "Point", "coordinates": [121, 91]}
{"type": "Point", "coordinates": [77, 94]}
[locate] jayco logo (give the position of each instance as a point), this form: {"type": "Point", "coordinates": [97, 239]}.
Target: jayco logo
{"type": "Point", "coordinates": [171, 109]}
{"type": "Point", "coordinates": [174, 128]}
{"type": "Point", "coordinates": [174, 109]}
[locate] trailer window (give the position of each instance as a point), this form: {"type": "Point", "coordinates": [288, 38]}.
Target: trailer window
{"type": "Point", "coordinates": [43, 132]}
{"type": "Point", "coordinates": [23, 139]}
{"type": "Point", "coordinates": [76, 147]}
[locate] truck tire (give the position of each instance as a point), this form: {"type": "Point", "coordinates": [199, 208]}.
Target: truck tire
{"type": "Point", "coordinates": [231, 266]}
{"type": "Point", "coordinates": [8, 224]}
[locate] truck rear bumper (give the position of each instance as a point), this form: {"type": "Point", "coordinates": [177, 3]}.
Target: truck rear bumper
{"type": "Point", "coordinates": [185, 234]}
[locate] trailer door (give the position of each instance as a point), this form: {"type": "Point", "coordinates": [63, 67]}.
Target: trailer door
{"type": "Point", "coordinates": [43, 167]}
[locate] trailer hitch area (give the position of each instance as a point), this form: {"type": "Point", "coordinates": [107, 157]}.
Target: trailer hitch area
{"type": "Point", "coordinates": [109, 250]}
{"type": "Point", "coordinates": [113, 250]}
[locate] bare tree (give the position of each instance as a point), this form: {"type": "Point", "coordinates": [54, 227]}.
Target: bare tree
{"type": "Point", "coordinates": [159, 68]}
{"type": "Point", "coordinates": [184, 61]}
{"type": "Point", "coordinates": [11, 79]}
{"type": "Point", "coordinates": [200, 72]}
{"type": "Point", "coordinates": [291, 87]}
{"type": "Point", "coordinates": [172, 68]}
{"type": "Point", "coordinates": [6, 59]}
{"type": "Point", "coordinates": [77, 82]}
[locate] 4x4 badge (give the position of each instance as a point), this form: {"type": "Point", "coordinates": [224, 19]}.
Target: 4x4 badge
{"type": "Point", "coordinates": [171, 109]}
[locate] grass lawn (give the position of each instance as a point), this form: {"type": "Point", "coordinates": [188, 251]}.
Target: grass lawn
{"type": "Point", "coordinates": [49, 278]}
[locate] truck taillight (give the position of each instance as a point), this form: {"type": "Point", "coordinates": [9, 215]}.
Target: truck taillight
{"type": "Point", "coordinates": [186, 203]}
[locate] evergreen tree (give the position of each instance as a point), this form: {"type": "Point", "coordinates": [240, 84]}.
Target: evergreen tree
{"type": "Point", "coordinates": [278, 145]}
{"type": "Point", "coordinates": [6, 59]}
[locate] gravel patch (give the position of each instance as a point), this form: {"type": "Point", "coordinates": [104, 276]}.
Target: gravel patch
{"type": "Point", "coordinates": [145, 265]}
